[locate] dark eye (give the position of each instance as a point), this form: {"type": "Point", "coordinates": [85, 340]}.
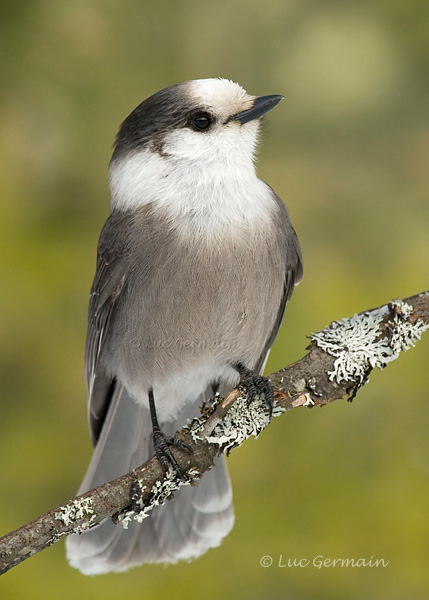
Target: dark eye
{"type": "Point", "coordinates": [201, 122]}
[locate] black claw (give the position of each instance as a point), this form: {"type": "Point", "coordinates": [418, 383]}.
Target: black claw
{"type": "Point", "coordinates": [162, 444]}
{"type": "Point", "coordinates": [256, 386]}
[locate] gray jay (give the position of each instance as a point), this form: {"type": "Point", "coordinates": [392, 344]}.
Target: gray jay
{"type": "Point", "coordinates": [195, 265]}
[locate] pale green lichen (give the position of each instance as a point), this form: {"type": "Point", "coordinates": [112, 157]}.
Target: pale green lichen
{"type": "Point", "coordinates": [358, 344]}
{"type": "Point", "coordinates": [404, 334]}
{"type": "Point", "coordinates": [75, 511]}
{"type": "Point", "coordinates": [159, 493]}
{"type": "Point", "coordinates": [241, 421]}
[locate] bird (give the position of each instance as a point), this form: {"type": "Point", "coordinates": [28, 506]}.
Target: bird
{"type": "Point", "coordinates": [195, 265]}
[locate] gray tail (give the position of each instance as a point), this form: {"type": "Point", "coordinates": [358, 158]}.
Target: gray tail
{"type": "Point", "coordinates": [197, 519]}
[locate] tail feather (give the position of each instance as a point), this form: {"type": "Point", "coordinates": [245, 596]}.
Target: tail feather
{"type": "Point", "coordinates": [197, 519]}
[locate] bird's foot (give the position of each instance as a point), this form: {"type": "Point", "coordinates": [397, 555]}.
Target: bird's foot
{"type": "Point", "coordinates": [162, 444]}
{"type": "Point", "coordinates": [256, 386]}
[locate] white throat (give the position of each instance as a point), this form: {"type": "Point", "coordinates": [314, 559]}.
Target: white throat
{"type": "Point", "coordinates": [202, 194]}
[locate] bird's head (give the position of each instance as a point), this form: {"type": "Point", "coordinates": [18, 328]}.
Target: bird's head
{"type": "Point", "coordinates": [202, 130]}
{"type": "Point", "coordinates": [205, 118]}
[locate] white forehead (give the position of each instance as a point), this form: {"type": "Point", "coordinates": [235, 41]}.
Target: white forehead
{"type": "Point", "coordinates": [222, 95]}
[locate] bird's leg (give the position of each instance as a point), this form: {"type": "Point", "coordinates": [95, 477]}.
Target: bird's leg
{"type": "Point", "coordinates": [256, 385]}
{"type": "Point", "coordinates": [162, 442]}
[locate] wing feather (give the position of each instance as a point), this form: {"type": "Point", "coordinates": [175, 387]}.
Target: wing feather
{"type": "Point", "coordinates": [293, 275]}
{"type": "Point", "coordinates": [110, 278]}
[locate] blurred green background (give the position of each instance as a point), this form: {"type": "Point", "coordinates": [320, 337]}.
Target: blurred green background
{"type": "Point", "coordinates": [348, 150]}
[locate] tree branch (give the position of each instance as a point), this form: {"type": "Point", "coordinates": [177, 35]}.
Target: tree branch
{"type": "Point", "coordinates": [338, 364]}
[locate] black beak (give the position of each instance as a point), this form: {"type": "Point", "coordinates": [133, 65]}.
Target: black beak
{"type": "Point", "coordinates": [262, 105]}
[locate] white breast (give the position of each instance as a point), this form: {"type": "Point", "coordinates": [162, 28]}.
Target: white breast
{"type": "Point", "coordinates": [214, 196]}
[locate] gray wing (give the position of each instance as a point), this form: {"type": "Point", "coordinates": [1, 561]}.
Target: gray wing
{"type": "Point", "coordinates": [293, 275]}
{"type": "Point", "coordinates": [109, 280]}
